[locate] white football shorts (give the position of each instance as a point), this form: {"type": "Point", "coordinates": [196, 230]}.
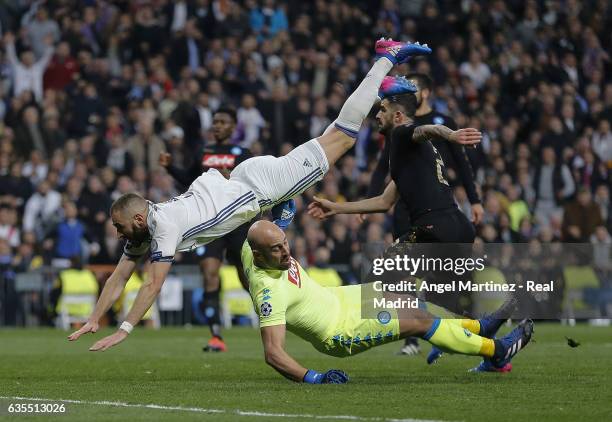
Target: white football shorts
{"type": "Point", "coordinates": [277, 179]}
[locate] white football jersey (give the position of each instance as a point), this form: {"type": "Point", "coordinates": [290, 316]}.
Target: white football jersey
{"type": "Point", "coordinates": [212, 207]}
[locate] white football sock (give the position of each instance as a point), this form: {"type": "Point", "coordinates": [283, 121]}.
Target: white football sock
{"type": "Point", "coordinates": [358, 105]}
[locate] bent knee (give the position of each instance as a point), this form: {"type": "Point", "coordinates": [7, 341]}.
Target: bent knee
{"type": "Point", "coordinates": [335, 144]}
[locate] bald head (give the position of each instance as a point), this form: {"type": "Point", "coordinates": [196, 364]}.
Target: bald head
{"type": "Point", "coordinates": [263, 233]}
{"type": "Point", "coordinates": [269, 245]}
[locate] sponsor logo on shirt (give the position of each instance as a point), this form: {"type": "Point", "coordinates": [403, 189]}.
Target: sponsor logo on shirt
{"type": "Point", "coordinates": [218, 160]}
{"type": "Point", "coordinates": [294, 273]}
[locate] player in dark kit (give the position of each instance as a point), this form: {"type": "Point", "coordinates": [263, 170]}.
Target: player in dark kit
{"type": "Point", "coordinates": [418, 175]}
{"type": "Point", "coordinates": [223, 156]}
{"type": "Point", "coordinates": [453, 156]}
{"type": "Point", "coordinates": [419, 178]}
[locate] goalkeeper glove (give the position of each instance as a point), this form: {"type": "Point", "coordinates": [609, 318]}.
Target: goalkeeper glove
{"type": "Point", "coordinates": [333, 376]}
{"type": "Point", "coordinates": [283, 213]}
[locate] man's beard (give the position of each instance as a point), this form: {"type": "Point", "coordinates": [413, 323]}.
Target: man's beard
{"type": "Point", "coordinates": [385, 130]}
{"type": "Point", "coordinates": [140, 235]}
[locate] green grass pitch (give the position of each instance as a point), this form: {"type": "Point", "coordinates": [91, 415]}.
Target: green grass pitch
{"type": "Point", "coordinates": [550, 381]}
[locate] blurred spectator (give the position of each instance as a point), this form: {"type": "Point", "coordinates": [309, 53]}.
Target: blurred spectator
{"type": "Point", "coordinates": [602, 199]}
{"type": "Point", "coordinates": [268, 20]}
{"type": "Point", "coordinates": [553, 184]}
{"type": "Point", "coordinates": [25, 258]}
{"type": "Point", "coordinates": [145, 146]}
{"type": "Point", "coordinates": [602, 141]}
{"type": "Point", "coordinates": [250, 120]}
{"type": "Point", "coordinates": [41, 209]}
{"type": "Point", "coordinates": [16, 185]}
{"type": "Point", "coordinates": [477, 71]}
{"type": "Point", "coordinates": [94, 205]}
{"type": "Point", "coordinates": [40, 30]}
{"type": "Point", "coordinates": [8, 225]}
{"type": "Point", "coordinates": [29, 134]}
{"type": "Point", "coordinates": [110, 248]}
{"type": "Point", "coordinates": [187, 49]}
{"type": "Point", "coordinates": [69, 234]}
{"type": "Point", "coordinates": [581, 217]}
{"type": "Point", "coordinates": [118, 157]}
{"type": "Point", "coordinates": [88, 110]}
{"type": "Point", "coordinates": [61, 69]}
{"type": "Point", "coordinates": [602, 260]}
{"type": "Point", "coordinates": [277, 113]}
{"type": "Point", "coordinates": [319, 120]}
{"type": "Point", "coordinates": [517, 209]}
{"type": "Point", "coordinates": [27, 71]}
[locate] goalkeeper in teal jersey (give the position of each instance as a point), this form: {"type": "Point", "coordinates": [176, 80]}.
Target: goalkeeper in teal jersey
{"type": "Point", "coordinates": [285, 297]}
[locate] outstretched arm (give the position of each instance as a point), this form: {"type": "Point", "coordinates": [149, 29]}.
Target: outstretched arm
{"type": "Point", "coordinates": [144, 299]}
{"type": "Point", "coordinates": [323, 208]}
{"type": "Point", "coordinates": [47, 55]}
{"type": "Point", "coordinates": [467, 136]}
{"type": "Point", "coordinates": [9, 43]}
{"type": "Point", "coordinates": [273, 339]}
{"type": "Point", "coordinates": [148, 291]}
{"type": "Point", "coordinates": [111, 292]}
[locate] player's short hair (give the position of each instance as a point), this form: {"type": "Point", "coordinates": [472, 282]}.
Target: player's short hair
{"type": "Point", "coordinates": [128, 202]}
{"type": "Point", "coordinates": [423, 81]}
{"type": "Point", "coordinates": [229, 111]}
{"type": "Point", "coordinates": [407, 103]}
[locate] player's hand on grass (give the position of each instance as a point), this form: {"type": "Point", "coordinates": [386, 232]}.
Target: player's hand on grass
{"type": "Point", "coordinates": [109, 341]}
{"type": "Point", "coordinates": [321, 208]}
{"type": "Point", "coordinates": [89, 327]}
{"type": "Point", "coordinates": [477, 213]}
{"type": "Point", "coordinates": [467, 136]}
{"type": "Point", "coordinates": [333, 376]}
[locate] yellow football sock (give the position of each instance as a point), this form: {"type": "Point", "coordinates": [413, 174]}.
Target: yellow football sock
{"type": "Point", "coordinates": [455, 338]}
{"type": "Point", "coordinates": [471, 324]}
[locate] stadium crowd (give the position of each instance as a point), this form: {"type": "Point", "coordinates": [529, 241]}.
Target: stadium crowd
{"type": "Point", "coordinates": [93, 91]}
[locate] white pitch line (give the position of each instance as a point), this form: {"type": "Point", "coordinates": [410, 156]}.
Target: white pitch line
{"type": "Point", "coordinates": [237, 412]}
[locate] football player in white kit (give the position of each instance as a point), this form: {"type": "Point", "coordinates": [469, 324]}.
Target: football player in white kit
{"type": "Point", "coordinates": [214, 206]}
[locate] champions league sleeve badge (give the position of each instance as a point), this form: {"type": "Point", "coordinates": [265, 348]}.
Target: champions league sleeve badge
{"type": "Point", "coordinates": [266, 309]}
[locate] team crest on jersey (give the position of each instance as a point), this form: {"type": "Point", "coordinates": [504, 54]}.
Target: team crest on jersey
{"type": "Point", "coordinates": [266, 308]}
{"type": "Point", "coordinates": [438, 120]}
{"type": "Point", "coordinates": [294, 273]}
{"type": "Point", "coordinates": [218, 160]}
{"type": "Point", "coordinates": [384, 317]}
